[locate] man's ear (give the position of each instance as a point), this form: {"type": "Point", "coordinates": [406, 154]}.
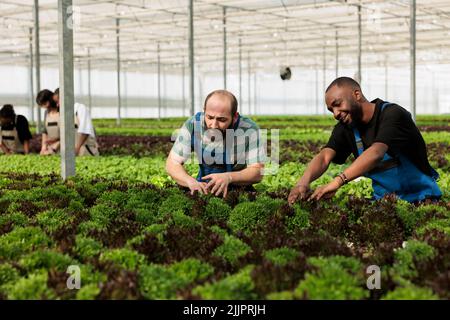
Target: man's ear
{"type": "Point", "coordinates": [235, 117]}
{"type": "Point", "coordinates": [358, 95]}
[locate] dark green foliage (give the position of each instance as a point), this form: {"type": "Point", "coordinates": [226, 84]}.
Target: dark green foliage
{"type": "Point", "coordinates": [335, 278]}
{"type": "Point", "coordinates": [281, 256]}
{"type": "Point", "coordinates": [8, 274]}
{"type": "Point", "coordinates": [54, 219]}
{"type": "Point", "coordinates": [21, 241]}
{"type": "Point", "coordinates": [45, 259]}
{"type": "Point", "coordinates": [160, 282]}
{"type": "Point", "coordinates": [123, 258]}
{"type": "Point", "coordinates": [175, 203]}
{"type": "Point", "coordinates": [216, 209]}
{"type": "Point", "coordinates": [86, 247]}
{"type": "Point", "coordinates": [246, 216]}
{"type": "Point", "coordinates": [232, 249]}
{"type": "Point", "coordinates": [238, 286]}
{"type": "Point", "coordinates": [135, 241]}
{"type": "Point", "coordinates": [411, 293]}
{"type": "Point", "coordinates": [32, 287]}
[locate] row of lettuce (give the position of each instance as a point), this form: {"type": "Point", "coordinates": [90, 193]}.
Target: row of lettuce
{"type": "Point", "coordinates": [133, 241]}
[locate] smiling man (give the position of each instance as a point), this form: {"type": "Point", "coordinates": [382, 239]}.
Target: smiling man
{"type": "Point", "coordinates": [227, 146]}
{"type": "Point", "coordinates": [387, 146]}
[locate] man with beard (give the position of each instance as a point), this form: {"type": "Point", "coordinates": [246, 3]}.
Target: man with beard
{"type": "Point", "coordinates": [386, 144]}
{"type": "Point", "coordinates": [227, 146]}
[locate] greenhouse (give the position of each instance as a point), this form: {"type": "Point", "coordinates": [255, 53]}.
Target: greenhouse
{"type": "Point", "coordinates": [225, 150]}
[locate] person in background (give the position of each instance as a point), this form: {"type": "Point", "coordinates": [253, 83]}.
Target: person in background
{"type": "Point", "coordinates": [50, 135]}
{"type": "Point", "coordinates": [85, 140]}
{"type": "Point", "coordinates": [15, 132]}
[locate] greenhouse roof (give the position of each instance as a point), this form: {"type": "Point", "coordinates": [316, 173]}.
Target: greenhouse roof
{"type": "Point", "coordinates": [271, 33]}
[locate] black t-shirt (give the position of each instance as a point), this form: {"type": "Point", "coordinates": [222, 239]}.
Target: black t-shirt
{"type": "Point", "coordinates": [393, 127]}
{"type": "Point", "coordinates": [23, 130]}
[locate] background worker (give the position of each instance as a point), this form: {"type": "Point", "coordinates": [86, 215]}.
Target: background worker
{"type": "Point", "coordinates": [15, 132]}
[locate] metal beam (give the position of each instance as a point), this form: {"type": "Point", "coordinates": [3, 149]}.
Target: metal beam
{"type": "Point", "coordinates": [249, 84]}
{"type": "Point", "coordinates": [183, 88]}
{"type": "Point", "coordinates": [359, 44]}
{"type": "Point", "coordinates": [386, 79]}
{"type": "Point", "coordinates": [224, 47]}
{"type": "Point", "coordinates": [324, 72]}
{"type": "Point", "coordinates": [337, 54]}
{"type": "Point", "coordinates": [32, 104]}
{"type": "Point", "coordinates": [67, 132]}
{"type": "Point", "coordinates": [191, 54]}
{"type": "Point", "coordinates": [200, 90]}
{"type": "Point", "coordinates": [240, 72]}
{"type": "Point", "coordinates": [316, 72]}
{"type": "Point", "coordinates": [159, 81]}
{"type": "Point", "coordinates": [255, 102]}
{"type": "Point", "coordinates": [413, 57]}
{"type": "Point", "coordinates": [38, 61]}
{"type": "Point", "coordinates": [89, 82]}
{"type": "Point", "coordinates": [119, 99]}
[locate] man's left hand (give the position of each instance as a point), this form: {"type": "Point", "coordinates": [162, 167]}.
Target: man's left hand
{"type": "Point", "coordinates": [326, 192]}
{"type": "Point", "coordinates": [218, 183]}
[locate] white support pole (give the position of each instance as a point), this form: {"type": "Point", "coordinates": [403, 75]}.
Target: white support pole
{"type": "Point", "coordinates": [31, 82]}
{"type": "Point", "coordinates": [337, 55]}
{"type": "Point", "coordinates": [249, 84]}
{"type": "Point", "coordinates": [359, 44]}
{"type": "Point", "coordinates": [316, 71]}
{"type": "Point", "coordinates": [119, 99]}
{"type": "Point", "coordinates": [159, 81]}
{"type": "Point", "coordinates": [67, 132]}
{"type": "Point", "coordinates": [191, 56]}
{"type": "Point", "coordinates": [89, 82]}
{"type": "Point", "coordinates": [224, 47]}
{"type": "Point", "coordinates": [38, 61]}
{"type": "Point", "coordinates": [413, 58]}
{"type": "Point", "coordinates": [255, 101]}
{"type": "Point", "coordinates": [183, 88]}
{"type": "Point", "coordinates": [324, 72]}
{"type": "Point", "coordinates": [386, 79]}
{"type": "Point", "coordinates": [240, 73]}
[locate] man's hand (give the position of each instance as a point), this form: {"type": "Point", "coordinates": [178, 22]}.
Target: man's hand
{"type": "Point", "coordinates": [327, 191]}
{"type": "Point", "coordinates": [299, 191]}
{"type": "Point", "coordinates": [218, 183]}
{"type": "Point", "coordinates": [196, 186]}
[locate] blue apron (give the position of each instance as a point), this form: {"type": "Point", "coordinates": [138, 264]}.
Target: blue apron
{"type": "Point", "coordinates": [400, 176]}
{"type": "Point", "coordinates": [197, 146]}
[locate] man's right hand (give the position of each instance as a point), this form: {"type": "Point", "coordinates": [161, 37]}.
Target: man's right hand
{"type": "Point", "coordinates": [301, 191]}
{"type": "Point", "coordinates": [195, 185]}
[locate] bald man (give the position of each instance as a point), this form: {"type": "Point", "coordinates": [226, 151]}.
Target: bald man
{"type": "Point", "coordinates": [387, 146]}
{"type": "Point", "coordinates": [227, 146]}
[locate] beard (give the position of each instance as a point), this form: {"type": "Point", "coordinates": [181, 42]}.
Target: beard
{"type": "Point", "coordinates": [356, 113]}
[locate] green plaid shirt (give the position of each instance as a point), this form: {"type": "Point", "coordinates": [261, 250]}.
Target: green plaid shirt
{"type": "Point", "coordinates": [249, 143]}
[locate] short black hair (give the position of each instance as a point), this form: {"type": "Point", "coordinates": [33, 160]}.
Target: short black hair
{"type": "Point", "coordinates": [233, 100]}
{"type": "Point", "coordinates": [7, 112]}
{"type": "Point", "coordinates": [344, 82]}
{"type": "Point", "coordinates": [44, 96]}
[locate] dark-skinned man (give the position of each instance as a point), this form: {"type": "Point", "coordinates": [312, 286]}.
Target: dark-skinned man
{"type": "Point", "coordinates": [226, 144]}
{"type": "Point", "coordinates": [385, 141]}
